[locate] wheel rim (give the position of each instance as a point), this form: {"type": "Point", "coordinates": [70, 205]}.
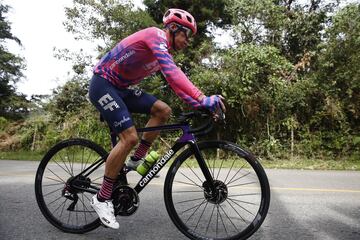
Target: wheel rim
{"type": "Point", "coordinates": [233, 211]}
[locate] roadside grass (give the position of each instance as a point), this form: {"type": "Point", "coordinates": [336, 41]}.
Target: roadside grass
{"type": "Point", "coordinates": [21, 155]}
{"type": "Point", "coordinates": [313, 164]}
{"type": "Point", "coordinates": [348, 163]}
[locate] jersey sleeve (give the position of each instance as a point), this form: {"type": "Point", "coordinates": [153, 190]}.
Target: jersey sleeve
{"type": "Point", "coordinates": [176, 78]}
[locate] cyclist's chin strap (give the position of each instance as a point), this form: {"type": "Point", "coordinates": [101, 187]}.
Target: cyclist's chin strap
{"type": "Point", "coordinates": [173, 40]}
{"type": "Point", "coordinates": [173, 32]}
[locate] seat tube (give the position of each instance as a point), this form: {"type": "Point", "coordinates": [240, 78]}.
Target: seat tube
{"type": "Point", "coordinates": [202, 164]}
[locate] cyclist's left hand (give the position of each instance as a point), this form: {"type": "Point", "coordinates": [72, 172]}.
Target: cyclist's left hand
{"type": "Point", "coordinates": [215, 104]}
{"type": "Point", "coordinates": [218, 114]}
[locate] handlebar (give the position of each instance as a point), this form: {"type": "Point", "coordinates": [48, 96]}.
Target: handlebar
{"type": "Point", "coordinates": [204, 114]}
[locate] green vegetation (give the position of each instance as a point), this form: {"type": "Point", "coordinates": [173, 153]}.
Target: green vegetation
{"type": "Point", "coordinates": [290, 78]}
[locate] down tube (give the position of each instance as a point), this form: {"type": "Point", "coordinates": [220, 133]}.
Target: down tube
{"type": "Point", "coordinates": [158, 166]}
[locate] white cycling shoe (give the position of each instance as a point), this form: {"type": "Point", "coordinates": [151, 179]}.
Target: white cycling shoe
{"type": "Point", "coordinates": [105, 210]}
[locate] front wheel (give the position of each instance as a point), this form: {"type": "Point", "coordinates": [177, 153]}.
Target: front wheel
{"type": "Point", "coordinates": [238, 206]}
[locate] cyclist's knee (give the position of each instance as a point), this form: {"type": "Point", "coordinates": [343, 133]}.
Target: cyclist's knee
{"type": "Point", "coordinates": [129, 137]}
{"type": "Point", "coordinates": [165, 113]}
{"type": "Point", "coordinates": [161, 110]}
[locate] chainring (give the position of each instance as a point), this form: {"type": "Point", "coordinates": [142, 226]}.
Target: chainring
{"type": "Point", "coordinates": [126, 200]}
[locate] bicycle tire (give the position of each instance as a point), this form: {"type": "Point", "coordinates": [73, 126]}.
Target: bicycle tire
{"type": "Point", "coordinates": [244, 205]}
{"type": "Point", "coordinates": [57, 166]}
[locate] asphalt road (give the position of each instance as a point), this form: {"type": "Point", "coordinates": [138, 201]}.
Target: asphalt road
{"type": "Point", "coordinates": [304, 205]}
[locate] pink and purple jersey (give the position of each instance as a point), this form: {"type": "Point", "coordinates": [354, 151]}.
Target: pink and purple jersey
{"type": "Point", "coordinates": [140, 55]}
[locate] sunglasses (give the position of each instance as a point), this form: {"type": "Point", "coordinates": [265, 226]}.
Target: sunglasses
{"type": "Point", "coordinates": [186, 30]}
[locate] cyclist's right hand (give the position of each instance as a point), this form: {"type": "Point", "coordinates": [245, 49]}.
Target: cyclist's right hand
{"type": "Point", "coordinates": [213, 102]}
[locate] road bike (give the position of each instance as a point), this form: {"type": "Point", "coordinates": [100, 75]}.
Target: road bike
{"type": "Point", "coordinates": [212, 190]}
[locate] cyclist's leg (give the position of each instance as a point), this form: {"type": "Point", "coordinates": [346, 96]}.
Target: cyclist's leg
{"type": "Point", "coordinates": [108, 100]}
{"type": "Point", "coordinates": [117, 156]}
{"type": "Point", "coordinates": [160, 113]}
{"type": "Point", "coordinates": [141, 102]}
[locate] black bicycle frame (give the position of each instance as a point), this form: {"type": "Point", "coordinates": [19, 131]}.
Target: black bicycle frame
{"type": "Point", "coordinates": [187, 138]}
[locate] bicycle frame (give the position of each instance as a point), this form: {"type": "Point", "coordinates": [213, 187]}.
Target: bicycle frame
{"type": "Point", "coordinates": [187, 138]}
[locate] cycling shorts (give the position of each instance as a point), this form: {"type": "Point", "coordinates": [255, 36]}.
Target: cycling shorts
{"type": "Point", "coordinates": [115, 104]}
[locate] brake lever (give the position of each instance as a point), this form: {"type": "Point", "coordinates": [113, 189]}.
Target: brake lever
{"type": "Point", "coordinates": [221, 114]}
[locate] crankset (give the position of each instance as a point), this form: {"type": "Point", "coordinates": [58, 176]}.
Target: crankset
{"type": "Point", "coordinates": [126, 200]}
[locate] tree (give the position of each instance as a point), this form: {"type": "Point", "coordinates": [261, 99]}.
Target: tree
{"type": "Point", "coordinates": [108, 21]}
{"type": "Point", "coordinates": [337, 71]}
{"type": "Point", "coordinates": [208, 14]}
{"type": "Point", "coordinates": [295, 27]}
{"type": "Point", "coordinates": [12, 104]}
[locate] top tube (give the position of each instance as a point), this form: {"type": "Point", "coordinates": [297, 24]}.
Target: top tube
{"type": "Point", "coordinates": [186, 136]}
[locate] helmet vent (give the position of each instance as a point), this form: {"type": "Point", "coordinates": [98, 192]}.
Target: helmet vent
{"type": "Point", "coordinates": [167, 13]}
{"type": "Point", "coordinates": [178, 15]}
{"type": "Point", "coordinates": [189, 19]}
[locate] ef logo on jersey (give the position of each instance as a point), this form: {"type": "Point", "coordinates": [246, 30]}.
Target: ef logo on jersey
{"type": "Point", "coordinates": [108, 103]}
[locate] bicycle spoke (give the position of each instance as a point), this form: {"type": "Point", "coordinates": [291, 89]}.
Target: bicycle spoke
{"type": "Point", "coordinates": [69, 171]}
{"type": "Point", "coordinates": [84, 207]}
{"type": "Point", "coordinates": [238, 178]}
{"type": "Point", "coordinates": [61, 205]}
{"type": "Point", "coordinates": [53, 184]}
{"type": "Point", "coordinates": [76, 214]}
{"type": "Point", "coordinates": [223, 221]}
{"type": "Point", "coordinates": [228, 218]}
{"type": "Point", "coordinates": [193, 172]}
{"type": "Point", "coordinates": [233, 199]}
{"type": "Point", "coordinates": [62, 180]}
{"type": "Point", "coordinates": [187, 191]}
{"type": "Point", "coordinates": [245, 194]}
{"type": "Point", "coordinates": [69, 217]}
{"type": "Point", "coordinates": [191, 180]}
{"type": "Point", "coordinates": [190, 208]}
{"type": "Point", "coordinates": [56, 180]}
{"type": "Point", "coordinates": [242, 207]}
{"type": "Point", "coordinates": [207, 228]}
{"type": "Point", "coordinates": [96, 180]}
{"type": "Point", "coordinates": [214, 167]}
{"type": "Point", "coordinates": [55, 200]}
{"type": "Point", "coordinates": [242, 184]}
{"type": "Point", "coordinates": [230, 181]}
{"type": "Point", "coordinates": [217, 177]}
{"type": "Point", "coordinates": [87, 160]}
{"type": "Point", "coordinates": [232, 165]}
{"type": "Point", "coordinates": [195, 211]}
{"type": "Point", "coordinates": [53, 191]}
{"type": "Point", "coordinates": [189, 184]}
{"type": "Point", "coordinates": [197, 224]}
{"type": "Point", "coordinates": [66, 170]}
{"type": "Point", "coordinates": [217, 219]}
{"type": "Point", "coordinates": [71, 167]}
{"type": "Point", "coordinates": [190, 200]}
{"type": "Point", "coordinates": [87, 197]}
{"type": "Point", "coordinates": [236, 211]}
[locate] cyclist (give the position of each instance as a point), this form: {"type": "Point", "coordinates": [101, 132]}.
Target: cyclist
{"type": "Point", "coordinates": [130, 61]}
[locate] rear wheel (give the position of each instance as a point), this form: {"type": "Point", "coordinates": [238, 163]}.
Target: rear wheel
{"type": "Point", "coordinates": [57, 184]}
{"type": "Point", "coordinates": [237, 207]}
